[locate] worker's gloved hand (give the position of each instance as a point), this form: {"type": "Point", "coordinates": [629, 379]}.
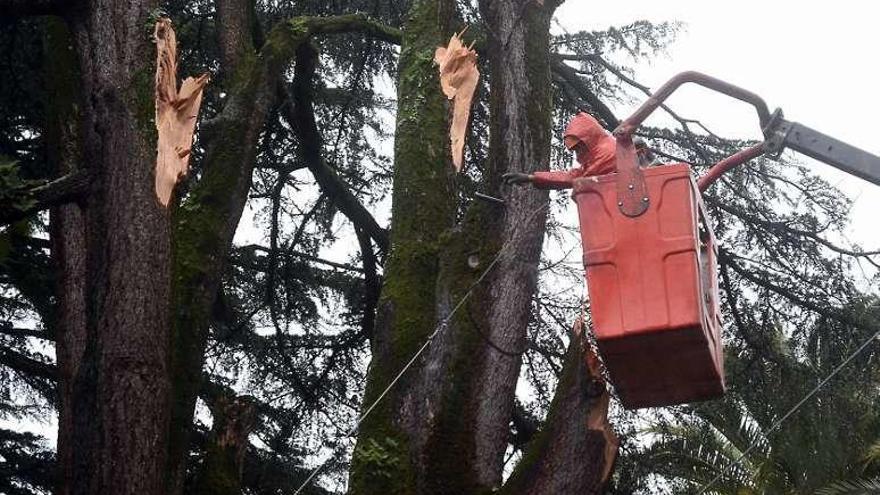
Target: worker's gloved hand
{"type": "Point", "coordinates": [516, 178]}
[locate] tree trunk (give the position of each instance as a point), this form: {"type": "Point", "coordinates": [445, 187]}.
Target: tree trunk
{"type": "Point", "coordinates": [445, 426]}
{"type": "Point", "coordinates": [234, 418]}
{"type": "Point", "coordinates": [390, 455]}
{"type": "Point", "coordinates": [205, 222]}
{"type": "Point", "coordinates": [576, 448]}
{"type": "Point", "coordinates": [66, 231]}
{"type": "Point", "coordinates": [114, 252]}
{"type": "Point", "coordinates": [520, 129]}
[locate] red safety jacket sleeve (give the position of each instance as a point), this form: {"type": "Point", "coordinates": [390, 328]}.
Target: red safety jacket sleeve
{"type": "Point", "coordinates": [559, 179]}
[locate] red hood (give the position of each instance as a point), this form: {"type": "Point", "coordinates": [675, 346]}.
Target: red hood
{"type": "Point", "coordinates": [600, 159]}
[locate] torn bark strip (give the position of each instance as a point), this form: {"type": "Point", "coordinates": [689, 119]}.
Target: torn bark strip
{"type": "Point", "coordinates": [458, 79]}
{"type": "Point", "coordinates": [597, 417]}
{"type": "Point", "coordinates": [176, 112]}
{"type": "Point", "coordinates": [597, 420]}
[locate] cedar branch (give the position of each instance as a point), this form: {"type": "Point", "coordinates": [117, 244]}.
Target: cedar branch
{"type": "Point", "coordinates": [300, 114]}
{"type": "Point", "coordinates": [569, 76]}
{"type": "Point", "coordinates": [57, 192]}
{"type": "Point", "coordinates": [29, 366]}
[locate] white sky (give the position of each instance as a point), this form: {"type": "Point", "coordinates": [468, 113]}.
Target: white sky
{"type": "Point", "coordinates": [816, 61]}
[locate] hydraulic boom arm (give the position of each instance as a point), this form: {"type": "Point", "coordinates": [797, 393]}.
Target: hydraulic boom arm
{"type": "Point", "coordinates": [824, 148]}
{"type": "Point", "coordinates": [779, 133]}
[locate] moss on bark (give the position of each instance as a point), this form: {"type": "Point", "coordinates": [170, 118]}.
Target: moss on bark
{"type": "Point", "coordinates": [423, 209]}
{"type": "Point", "coordinates": [204, 225]}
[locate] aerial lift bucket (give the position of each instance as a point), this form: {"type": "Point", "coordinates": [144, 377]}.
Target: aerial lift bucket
{"type": "Point", "coordinates": [653, 289]}
{"type": "Point", "coordinates": [651, 257]}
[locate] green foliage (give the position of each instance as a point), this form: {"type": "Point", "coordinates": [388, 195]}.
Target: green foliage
{"type": "Point", "coordinates": [826, 440]}
{"type": "Point", "coordinates": [26, 463]}
{"type": "Point", "coordinates": [381, 459]}
{"type": "Point", "coordinates": [854, 487]}
{"type": "Point", "coordinates": [287, 329]}
{"type": "Point", "coordinates": [15, 192]}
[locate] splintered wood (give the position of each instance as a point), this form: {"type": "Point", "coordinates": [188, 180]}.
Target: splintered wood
{"type": "Point", "coordinates": [176, 112]}
{"type": "Point", "coordinates": [458, 78]}
{"type": "Point", "coordinates": [597, 418]}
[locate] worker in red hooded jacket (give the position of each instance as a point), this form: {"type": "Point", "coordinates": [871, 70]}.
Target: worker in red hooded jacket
{"type": "Point", "coordinates": [593, 147]}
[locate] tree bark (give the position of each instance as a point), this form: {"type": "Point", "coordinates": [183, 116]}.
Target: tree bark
{"type": "Point", "coordinates": [67, 232]}
{"type": "Point", "coordinates": [234, 418]}
{"type": "Point", "coordinates": [390, 456]}
{"type": "Point", "coordinates": [447, 423]}
{"type": "Point", "coordinates": [520, 129]}
{"type": "Point", "coordinates": [113, 250]}
{"type": "Point", "coordinates": [445, 426]}
{"type": "Point", "coordinates": [575, 450]}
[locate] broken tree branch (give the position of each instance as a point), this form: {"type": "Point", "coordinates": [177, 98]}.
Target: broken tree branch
{"type": "Point", "coordinates": [176, 112]}
{"type": "Point", "coordinates": [576, 430]}
{"type": "Point", "coordinates": [458, 79]}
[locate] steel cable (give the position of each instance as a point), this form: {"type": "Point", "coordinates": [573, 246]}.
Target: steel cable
{"type": "Point", "coordinates": [440, 326]}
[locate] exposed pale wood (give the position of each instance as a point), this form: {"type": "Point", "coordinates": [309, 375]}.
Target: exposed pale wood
{"type": "Point", "coordinates": [576, 449]}
{"type": "Point", "coordinates": [597, 417]}
{"type": "Point", "coordinates": [176, 112]}
{"type": "Point", "coordinates": [458, 79]}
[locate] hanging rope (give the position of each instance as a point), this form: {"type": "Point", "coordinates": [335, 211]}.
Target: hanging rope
{"type": "Point", "coordinates": [791, 411]}
{"type": "Point", "coordinates": [440, 326]}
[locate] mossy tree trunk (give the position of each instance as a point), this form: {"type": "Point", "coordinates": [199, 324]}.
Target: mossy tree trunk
{"type": "Point", "coordinates": [444, 427]}
{"type": "Point", "coordinates": [389, 457]}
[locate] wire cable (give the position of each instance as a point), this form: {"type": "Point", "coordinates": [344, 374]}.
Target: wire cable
{"type": "Point", "coordinates": [791, 411]}
{"type": "Point", "coordinates": [440, 326]}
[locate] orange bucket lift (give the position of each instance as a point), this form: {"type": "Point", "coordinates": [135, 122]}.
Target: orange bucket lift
{"type": "Point", "coordinates": [653, 290]}
{"type": "Point", "coordinates": [651, 258]}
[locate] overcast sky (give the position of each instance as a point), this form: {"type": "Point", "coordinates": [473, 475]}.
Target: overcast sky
{"type": "Point", "coordinates": [817, 62]}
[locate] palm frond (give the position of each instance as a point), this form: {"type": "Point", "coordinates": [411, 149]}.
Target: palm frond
{"type": "Point", "coordinates": [861, 486]}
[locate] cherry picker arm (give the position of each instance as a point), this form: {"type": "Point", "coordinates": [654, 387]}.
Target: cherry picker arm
{"type": "Point", "coordinates": [779, 134]}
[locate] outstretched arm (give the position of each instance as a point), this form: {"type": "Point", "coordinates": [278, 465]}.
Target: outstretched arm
{"type": "Point", "coordinates": [544, 180]}
{"type": "Point", "coordinates": [516, 178]}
